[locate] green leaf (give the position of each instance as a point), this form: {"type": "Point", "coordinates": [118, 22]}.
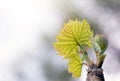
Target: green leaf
{"type": "Point", "coordinates": [66, 49]}
{"type": "Point", "coordinates": [75, 65]}
{"type": "Point", "coordinates": [100, 44]}
{"type": "Point", "coordinates": [72, 35]}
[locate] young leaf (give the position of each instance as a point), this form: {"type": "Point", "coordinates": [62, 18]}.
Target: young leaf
{"type": "Point", "coordinates": [75, 65]}
{"type": "Point", "coordinates": [100, 44]}
{"type": "Point", "coordinates": [72, 35]}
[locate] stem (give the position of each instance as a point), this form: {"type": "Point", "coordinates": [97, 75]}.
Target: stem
{"type": "Point", "coordinates": [100, 59]}
{"type": "Point", "coordinates": [95, 74]}
{"type": "Point", "coordinates": [85, 55]}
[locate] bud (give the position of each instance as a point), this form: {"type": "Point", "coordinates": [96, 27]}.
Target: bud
{"type": "Point", "coordinates": [100, 44]}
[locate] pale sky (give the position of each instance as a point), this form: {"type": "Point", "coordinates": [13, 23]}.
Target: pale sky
{"type": "Point", "coordinates": [21, 24]}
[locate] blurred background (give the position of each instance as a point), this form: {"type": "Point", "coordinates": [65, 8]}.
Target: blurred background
{"type": "Point", "coordinates": [28, 29]}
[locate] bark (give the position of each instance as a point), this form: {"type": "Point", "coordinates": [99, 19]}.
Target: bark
{"type": "Point", "coordinates": [95, 73]}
